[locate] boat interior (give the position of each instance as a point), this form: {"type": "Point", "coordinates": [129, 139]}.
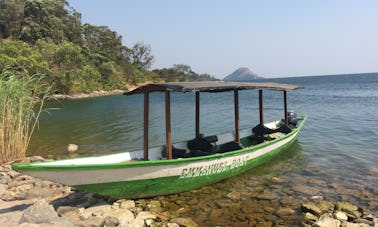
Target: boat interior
{"type": "Point", "coordinates": [205, 145]}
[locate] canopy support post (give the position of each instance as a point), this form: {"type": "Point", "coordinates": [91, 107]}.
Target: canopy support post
{"type": "Point", "coordinates": [168, 124]}
{"type": "Point", "coordinates": [285, 107]}
{"type": "Point", "coordinates": [237, 121]}
{"type": "Point", "coordinates": [261, 107]}
{"type": "Point", "coordinates": [197, 114]}
{"type": "Point", "coordinates": [145, 126]}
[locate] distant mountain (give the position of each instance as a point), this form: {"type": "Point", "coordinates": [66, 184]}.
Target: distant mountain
{"type": "Point", "coordinates": [243, 74]}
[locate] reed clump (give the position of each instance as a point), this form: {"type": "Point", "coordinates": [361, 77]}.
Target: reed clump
{"type": "Point", "coordinates": [21, 103]}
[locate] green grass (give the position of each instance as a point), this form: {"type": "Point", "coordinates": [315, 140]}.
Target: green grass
{"type": "Point", "coordinates": [21, 102]}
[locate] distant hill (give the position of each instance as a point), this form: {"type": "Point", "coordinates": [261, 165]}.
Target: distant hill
{"type": "Point", "coordinates": [243, 74]}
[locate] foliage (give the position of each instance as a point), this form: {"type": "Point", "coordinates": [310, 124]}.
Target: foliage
{"type": "Point", "coordinates": [140, 55]}
{"type": "Point", "coordinates": [20, 94]}
{"type": "Point", "coordinates": [22, 57]}
{"type": "Point", "coordinates": [11, 15]}
{"type": "Point", "coordinates": [71, 71]}
{"type": "Point", "coordinates": [182, 73]}
{"type": "Point", "coordinates": [103, 41]}
{"type": "Point", "coordinates": [48, 38]}
{"type": "Point", "coordinates": [30, 20]}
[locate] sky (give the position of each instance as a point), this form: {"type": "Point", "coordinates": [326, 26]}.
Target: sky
{"type": "Point", "coordinates": [273, 38]}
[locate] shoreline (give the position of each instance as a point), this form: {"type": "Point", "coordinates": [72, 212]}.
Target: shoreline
{"type": "Point", "coordinates": [94, 94]}
{"type": "Point", "coordinates": [29, 201]}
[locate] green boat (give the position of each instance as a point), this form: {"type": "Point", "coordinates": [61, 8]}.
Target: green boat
{"type": "Point", "coordinates": [181, 166]}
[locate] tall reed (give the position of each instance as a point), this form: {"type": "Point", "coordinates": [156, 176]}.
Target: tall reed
{"type": "Point", "coordinates": [21, 102]}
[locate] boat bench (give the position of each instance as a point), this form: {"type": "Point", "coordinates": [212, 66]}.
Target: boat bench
{"type": "Point", "coordinates": [207, 146]}
{"type": "Point", "coordinates": [263, 130]}
{"type": "Point", "coordinates": [230, 146]}
{"type": "Point", "coordinates": [176, 152]}
{"type": "Point", "coordinates": [202, 144]}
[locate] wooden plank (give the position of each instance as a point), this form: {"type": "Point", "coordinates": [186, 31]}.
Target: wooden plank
{"type": "Point", "coordinates": [168, 124]}
{"type": "Point", "coordinates": [145, 126]}
{"type": "Point", "coordinates": [197, 114]}
{"type": "Point", "coordinates": [237, 121]}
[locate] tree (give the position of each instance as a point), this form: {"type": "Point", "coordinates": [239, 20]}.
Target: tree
{"type": "Point", "coordinates": [74, 27]}
{"type": "Point", "coordinates": [102, 40]}
{"type": "Point", "coordinates": [30, 20]}
{"type": "Point", "coordinates": [186, 70]}
{"type": "Point", "coordinates": [47, 37]}
{"type": "Point", "coordinates": [23, 58]}
{"type": "Point", "coordinates": [181, 72]}
{"type": "Point", "coordinates": [71, 70]}
{"type": "Point", "coordinates": [140, 55]}
{"type": "Point", "coordinates": [11, 15]}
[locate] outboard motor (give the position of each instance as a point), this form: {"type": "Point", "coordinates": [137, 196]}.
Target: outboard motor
{"type": "Point", "coordinates": [292, 118]}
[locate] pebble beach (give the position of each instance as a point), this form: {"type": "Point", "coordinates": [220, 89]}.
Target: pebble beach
{"type": "Point", "coordinates": [27, 201]}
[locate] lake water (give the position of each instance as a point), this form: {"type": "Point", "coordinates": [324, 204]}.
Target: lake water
{"type": "Point", "coordinates": [336, 155]}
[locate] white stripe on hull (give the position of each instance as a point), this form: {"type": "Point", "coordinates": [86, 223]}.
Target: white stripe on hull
{"type": "Point", "coordinates": [192, 169]}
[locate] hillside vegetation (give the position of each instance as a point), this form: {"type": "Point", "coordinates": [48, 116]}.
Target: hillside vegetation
{"type": "Point", "coordinates": [47, 37]}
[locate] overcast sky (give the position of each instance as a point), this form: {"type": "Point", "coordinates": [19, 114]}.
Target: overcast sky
{"type": "Point", "coordinates": [272, 38]}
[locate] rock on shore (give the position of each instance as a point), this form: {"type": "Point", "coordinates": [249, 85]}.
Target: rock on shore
{"type": "Point", "coordinates": [324, 214]}
{"type": "Point", "coordinates": [87, 95]}
{"type": "Point", "coordinates": [28, 201]}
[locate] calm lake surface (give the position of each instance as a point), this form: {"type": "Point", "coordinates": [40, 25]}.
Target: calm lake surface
{"type": "Point", "coordinates": [335, 157]}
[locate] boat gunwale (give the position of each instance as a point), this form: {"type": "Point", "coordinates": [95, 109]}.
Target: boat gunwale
{"type": "Point", "coordinates": [117, 165]}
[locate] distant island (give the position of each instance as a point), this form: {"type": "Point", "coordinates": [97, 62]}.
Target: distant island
{"type": "Point", "coordinates": [242, 74]}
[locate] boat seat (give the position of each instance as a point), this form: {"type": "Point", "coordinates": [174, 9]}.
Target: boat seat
{"type": "Point", "coordinates": [284, 129]}
{"type": "Point", "coordinates": [203, 146]}
{"type": "Point", "coordinates": [200, 144]}
{"type": "Point", "coordinates": [230, 146]}
{"type": "Point", "coordinates": [262, 130]}
{"type": "Point", "coordinates": [211, 139]}
{"type": "Point", "coordinates": [176, 152]}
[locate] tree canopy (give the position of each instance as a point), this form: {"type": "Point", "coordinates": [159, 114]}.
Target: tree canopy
{"type": "Point", "coordinates": [47, 37]}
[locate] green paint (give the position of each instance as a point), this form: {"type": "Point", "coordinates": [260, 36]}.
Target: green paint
{"type": "Point", "coordinates": [170, 185]}
{"type": "Point", "coordinates": [33, 167]}
{"type": "Point", "coordinates": [167, 185]}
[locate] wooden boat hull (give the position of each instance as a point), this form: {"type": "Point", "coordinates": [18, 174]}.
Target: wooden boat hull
{"type": "Point", "coordinates": [159, 177]}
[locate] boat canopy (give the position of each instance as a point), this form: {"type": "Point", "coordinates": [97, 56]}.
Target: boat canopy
{"type": "Point", "coordinates": [204, 86]}
{"type": "Point", "coordinates": [211, 86]}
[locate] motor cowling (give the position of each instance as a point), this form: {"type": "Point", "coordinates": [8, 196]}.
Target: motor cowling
{"type": "Point", "coordinates": [292, 118]}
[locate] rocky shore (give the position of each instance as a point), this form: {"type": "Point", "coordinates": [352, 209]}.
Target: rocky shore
{"type": "Point", "coordinates": [97, 93]}
{"type": "Point", "coordinates": [86, 95]}
{"type": "Point", "coordinates": [324, 213]}
{"type": "Point", "coordinates": [27, 201]}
